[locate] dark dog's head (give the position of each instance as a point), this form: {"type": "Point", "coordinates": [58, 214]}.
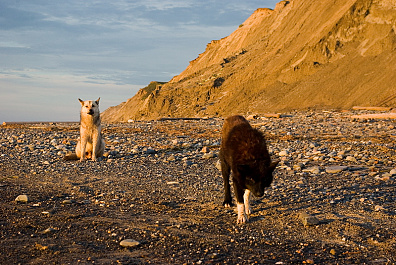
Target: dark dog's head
{"type": "Point", "coordinates": [257, 176]}
{"type": "Point", "coordinates": [89, 107]}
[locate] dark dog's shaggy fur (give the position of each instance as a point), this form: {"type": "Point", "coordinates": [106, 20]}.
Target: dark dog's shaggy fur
{"type": "Point", "coordinates": [244, 152]}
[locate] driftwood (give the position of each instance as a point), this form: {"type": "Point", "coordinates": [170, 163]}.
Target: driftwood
{"type": "Point", "coordinates": [182, 119]}
{"type": "Point", "coordinates": [372, 108]}
{"type": "Point", "coordinates": [375, 116]}
{"type": "Point", "coordinates": [272, 115]}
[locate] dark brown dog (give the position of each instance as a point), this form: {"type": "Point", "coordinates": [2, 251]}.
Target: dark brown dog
{"type": "Point", "coordinates": [244, 152]}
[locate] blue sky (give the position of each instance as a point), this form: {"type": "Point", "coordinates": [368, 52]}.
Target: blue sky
{"type": "Point", "coordinates": [53, 52]}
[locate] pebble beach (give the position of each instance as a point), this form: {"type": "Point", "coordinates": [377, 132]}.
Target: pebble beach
{"type": "Point", "coordinates": [156, 195]}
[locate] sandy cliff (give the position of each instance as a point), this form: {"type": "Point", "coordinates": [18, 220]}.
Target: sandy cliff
{"type": "Point", "coordinates": [302, 54]}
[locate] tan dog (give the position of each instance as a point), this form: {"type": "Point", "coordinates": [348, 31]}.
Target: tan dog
{"type": "Point", "coordinates": [91, 144]}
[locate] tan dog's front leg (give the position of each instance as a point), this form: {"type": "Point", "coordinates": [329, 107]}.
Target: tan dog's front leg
{"type": "Point", "coordinates": [83, 148]}
{"type": "Point", "coordinates": [94, 147]}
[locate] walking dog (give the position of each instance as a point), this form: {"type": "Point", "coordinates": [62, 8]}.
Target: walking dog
{"type": "Point", "coordinates": [244, 152]}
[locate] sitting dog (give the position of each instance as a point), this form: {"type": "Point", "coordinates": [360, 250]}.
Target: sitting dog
{"type": "Point", "coordinates": [90, 144]}
{"type": "Point", "coordinates": [244, 152]}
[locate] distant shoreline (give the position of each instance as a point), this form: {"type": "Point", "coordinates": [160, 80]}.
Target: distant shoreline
{"type": "Point", "coordinates": [36, 122]}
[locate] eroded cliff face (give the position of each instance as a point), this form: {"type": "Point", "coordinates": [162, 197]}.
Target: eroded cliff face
{"type": "Point", "coordinates": [302, 54]}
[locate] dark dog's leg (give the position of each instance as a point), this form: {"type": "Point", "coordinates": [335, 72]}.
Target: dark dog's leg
{"type": "Point", "coordinates": [225, 171]}
{"type": "Point", "coordinates": [239, 194]}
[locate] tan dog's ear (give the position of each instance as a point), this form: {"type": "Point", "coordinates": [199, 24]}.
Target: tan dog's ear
{"type": "Point", "coordinates": [81, 101]}
{"type": "Point", "coordinates": [97, 101]}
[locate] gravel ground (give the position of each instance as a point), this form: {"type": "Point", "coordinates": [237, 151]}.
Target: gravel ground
{"type": "Point", "coordinates": [158, 189]}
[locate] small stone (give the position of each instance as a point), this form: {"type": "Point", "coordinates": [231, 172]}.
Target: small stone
{"type": "Point", "coordinates": [205, 149]}
{"type": "Point", "coordinates": [134, 151]}
{"type": "Point", "coordinates": [171, 158]}
{"type": "Point", "coordinates": [283, 153]}
{"type": "Point", "coordinates": [129, 243]}
{"type": "Point", "coordinates": [48, 230]}
{"type": "Point", "coordinates": [386, 177]}
{"type": "Point", "coordinates": [308, 220]}
{"type": "Point", "coordinates": [378, 208]}
{"type": "Point", "coordinates": [186, 145]}
{"type": "Point", "coordinates": [22, 198]}
{"type": "Point", "coordinates": [299, 166]}
{"type": "Point", "coordinates": [313, 170]}
{"type": "Point", "coordinates": [213, 256]}
{"type": "Point", "coordinates": [218, 165]}
{"type": "Point", "coordinates": [335, 169]}
{"type": "Point", "coordinates": [393, 172]}
{"type": "Point", "coordinates": [188, 163]}
{"type": "Point", "coordinates": [67, 201]}
{"type": "Point", "coordinates": [351, 159]}
{"type": "Point", "coordinates": [208, 155]}
{"type": "Point", "coordinates": [172, 182]}
{"type": "Point", "coordinates": [150, 151]}
{"type": "Point", "coordinates": [251, 117]}
{"type": "Point", "coordinates": [333, 252]}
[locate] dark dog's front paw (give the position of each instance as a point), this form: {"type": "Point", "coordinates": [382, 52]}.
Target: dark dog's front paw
{"type": "Point", "coordinates": [227, 204]}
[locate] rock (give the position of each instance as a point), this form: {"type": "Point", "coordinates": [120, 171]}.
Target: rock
{"type": "Point", "coordinates": [150, 151]}
{"type": "Point", "coordinates": [173, 182]}
{"type": "Point", "coordinates": [213, 256]}
{"type": "Point", "coordinates": [48, 230]}
{"type": "Point", "coordinates": [205, 149]}
{"type": "Point", "coordinates": [393, 172]}
{"type": "Point", "coordinates": [114, 153]}
{"type": "Point", "coordinates": [335, 169]}
{"type": "Point", "coordinates": [386, 176]}
{"type": "Point", "coordinates": [313, 170]}
{"type": "Point", "coordinates": [134, 151]}
{"type": "Point", "coordinates": [67, 201]}
{"type": "Point", "coordinates": [208, 155]}
{"type": "Point", "coordinates": [171, 158]}
{"type": "Point", "coordinates": [218, 165]}
{"type": "Point", "coordinates": [188, 163]}
{"type": "Point", "coordinates": [22, 198]}
{"type": "Point", "coordinates": [129, 243]}
{"type": "Point", "coordinates": [299, 166]}
{"type": "Point", "coordinates": [308, 220]}
{"type": "Point", "coordinates": [378, 208]}
{"type": "Point", "coordinates": [351, 159]}
{"type": "Point", "coordinates": [186, 145]}
{"type": "Point", "coordinates": [283, 153]}
{"type": "Point", "coordinates": [251, 117]}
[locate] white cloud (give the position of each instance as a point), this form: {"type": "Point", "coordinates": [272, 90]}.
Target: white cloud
{"type": "Point", "coordinates": [50, 96]}
{"type": "Point", "coordinates": [12, 44]}
{"type": "Point", "coordinates": [164, 4]}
